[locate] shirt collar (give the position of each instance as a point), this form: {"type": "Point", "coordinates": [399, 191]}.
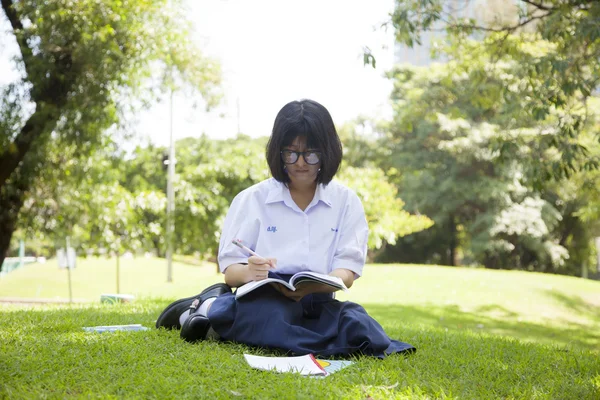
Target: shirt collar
{"type": "Point", "coordinates": [275, 194]}
{"type": "Point", "coordinates": [281, 193]}
{"type": "Point", "coordinates": [322, 194]}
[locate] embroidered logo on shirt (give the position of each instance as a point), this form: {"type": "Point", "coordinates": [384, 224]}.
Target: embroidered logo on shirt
{"type": "Point", "coordinates": [334, 229]}
{"type": "Point", "coordinates": [272, 229]}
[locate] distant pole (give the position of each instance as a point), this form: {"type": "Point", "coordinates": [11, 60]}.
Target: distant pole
{"type": "Point", "coordinates": [170, 200]}
{"type": "Point", "coordinates": [118, 272]}
{"type": "Point", "coordinates": [69, 271]}
{"type": "Point", "coordinates": [21, 253]}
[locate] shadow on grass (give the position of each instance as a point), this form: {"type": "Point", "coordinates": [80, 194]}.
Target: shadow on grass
{"type": "Point", "coordinates": [493, 320]}
{"type": "Point", "coordinates": [576, 304]}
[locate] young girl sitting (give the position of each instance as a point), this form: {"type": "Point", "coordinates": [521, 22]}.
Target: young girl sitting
{"type": "Point", "coordinates": [300, 220]}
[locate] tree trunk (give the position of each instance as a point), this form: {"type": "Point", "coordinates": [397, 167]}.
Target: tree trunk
{"type": "Point", "coordinates": [12, 196]}
{"type": "Point", "coordinates": [6, 232]}
{"type": "Point", "coordinates": [453, 241]}
{"type": "Point", "coordinates": [584, 271]}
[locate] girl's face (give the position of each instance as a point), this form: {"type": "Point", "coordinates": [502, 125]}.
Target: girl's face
{"type": "Point", "coordinates": [301, 168]}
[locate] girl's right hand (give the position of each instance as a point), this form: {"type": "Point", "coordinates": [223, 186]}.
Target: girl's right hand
{"type": "Point", "coordinates": [259, 268]}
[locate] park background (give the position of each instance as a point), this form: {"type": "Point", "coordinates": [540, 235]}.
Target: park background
{"type": "Point", "coordinates": [470, 133]}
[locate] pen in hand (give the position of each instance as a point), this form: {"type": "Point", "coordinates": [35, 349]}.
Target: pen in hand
{"type": "Point", "coordinates": [239, 244]}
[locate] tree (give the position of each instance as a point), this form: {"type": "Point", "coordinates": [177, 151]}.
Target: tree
{"type": "Point", "coordinates": [83, 199]}
{"type": "Point", "coordinates": [440, 146]}
{"type": "Point", "coordinates": [384, 211]}
{"type": "Point", "coordinates": [212, 174]}
{"type": "Point", "coordinates": [554, 49]}
{"type": "Point", "coordinates": [365, 151]}
{"type": "Point", "coordinates": [450, 121]}
{"type": "Point", "coordinates": [81, 64]}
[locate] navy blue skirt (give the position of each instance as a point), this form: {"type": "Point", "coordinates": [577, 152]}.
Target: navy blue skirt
{"type": "Point", "coordinates": [317, 324]}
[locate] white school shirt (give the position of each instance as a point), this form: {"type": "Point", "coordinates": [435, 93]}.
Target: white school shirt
{"type": "Point", "coordinates": [330, 233]}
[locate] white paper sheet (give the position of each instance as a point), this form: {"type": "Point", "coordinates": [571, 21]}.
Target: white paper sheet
{"type": "Point", "coordinates": [304, 365]}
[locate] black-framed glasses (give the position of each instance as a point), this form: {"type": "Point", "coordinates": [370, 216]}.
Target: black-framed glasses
{"type": "Point", "coordinates": [311, 157]}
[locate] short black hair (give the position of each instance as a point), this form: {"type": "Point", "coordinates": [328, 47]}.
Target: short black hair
{"type": "Point", "coordinates": [309, 119]}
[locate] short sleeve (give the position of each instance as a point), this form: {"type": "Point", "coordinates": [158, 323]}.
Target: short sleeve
{"type": "Point", "coordinates": [240, 224]}
{"type": "Point", "coordinates": [351, 250]}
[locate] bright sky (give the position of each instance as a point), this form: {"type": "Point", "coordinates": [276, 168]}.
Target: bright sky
{"type": "Point", "coordinates": [272, 52]}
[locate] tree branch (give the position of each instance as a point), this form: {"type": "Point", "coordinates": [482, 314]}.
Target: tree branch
{"type": "Point", "coordinates": [504, 29]}
{"type": "Point", "coordinates": [17, 26]}
{"type": "Point", "coordinates": [7, 6]}
{"type": "Point", "coordinates": [14, 154]}
{"type": "Point", "coordinates": [51, 95]}
{"type": "Point", "coordinates": [539, 6]}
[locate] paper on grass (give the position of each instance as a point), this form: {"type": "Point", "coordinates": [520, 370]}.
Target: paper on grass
{"type": "Point", "coordinates": [304, 365]}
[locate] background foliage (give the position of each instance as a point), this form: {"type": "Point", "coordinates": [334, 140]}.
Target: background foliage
{"type": "Point", "coordinates": [83, 66]}
{"type": "Point", "coordinates": [499, 142]}
{"type": "Point", "coordinates": [490, 157]}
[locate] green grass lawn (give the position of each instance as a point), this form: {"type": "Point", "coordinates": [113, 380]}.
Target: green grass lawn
{"type": "Point", "coordinates": [480, 334]}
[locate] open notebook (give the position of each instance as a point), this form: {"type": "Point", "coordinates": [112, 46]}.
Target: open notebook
{"type": "Point", "coordinates": [295, 280]}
